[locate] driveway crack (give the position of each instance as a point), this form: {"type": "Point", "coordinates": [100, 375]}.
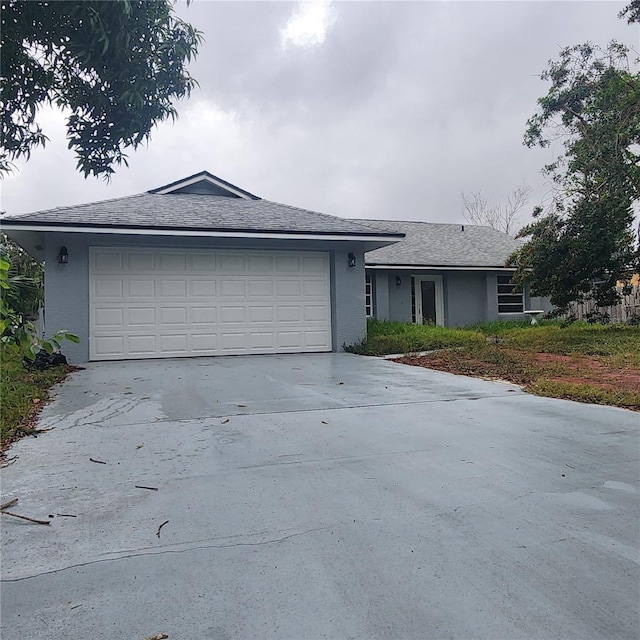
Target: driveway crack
{"type": "Point", "coordinates": [188, 549]}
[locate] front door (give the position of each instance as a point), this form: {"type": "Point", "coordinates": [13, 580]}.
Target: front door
{"type": "Point", "coordinates": [429, 300]}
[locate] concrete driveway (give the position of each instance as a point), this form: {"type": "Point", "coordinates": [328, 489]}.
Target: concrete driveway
{"type": "Point", "coordinates": [328, 496]}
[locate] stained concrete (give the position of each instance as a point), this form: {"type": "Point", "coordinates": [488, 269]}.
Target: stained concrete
{"type": "Point", "coordinates": [320, 496]}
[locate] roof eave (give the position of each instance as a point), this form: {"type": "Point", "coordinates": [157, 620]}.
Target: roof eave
{"type": "Point", "coordinates": [380, 239]}
{"type": "Point", "coordinates": [438, 267]}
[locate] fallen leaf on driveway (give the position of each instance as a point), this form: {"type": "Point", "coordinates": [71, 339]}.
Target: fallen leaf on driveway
{"type": "Point", "coordinates": [242, 405]}
{"type": "Point", "coordinates": [340, 382]}
{"type": "Point", "coordinates": [324, 422]}
{"type": "Point", "coordinates": [225, 421]}
{"type": "Point", "coordinates": [158, 636]}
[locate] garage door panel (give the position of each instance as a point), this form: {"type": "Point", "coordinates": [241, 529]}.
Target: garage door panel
{"type": "Point", "coordinates": [290, 339]}
{"type": "Point", "coordinates": [137, 289]}
{"type": "Point", "coordinates": [108, 317]}
{"type": "Point", "coordinates": [108, 346]}
{"type": "Point", "coordinates": [204, 315]}
{"type": "Point", "coordinates": [202, 262]}
{"type": "Point", "coordinates": [231, 263]}
{"type": "Point", "coordinates": [288, 264]}
{"type": "Point", "coordinates": [286, 288]}
{"type": "Point", "coordinates": [315, 313]}
{"type": "Point", "coordinates": [203, 288]}
{"type": "Point", "coordinates": [141, 345]}
{"type": "Point", "coordinates": [104, 288]}
{"type": "Point", "coordinates": [233, 341]}
{"type": "Point", "coordinates": [232, 288]}
{"type": "Point", "coordinates": [261, 314]}
{"type": "Point", "coordinates": [173, 315]}
{"type": "Point", "coordinates": [260, 288]}
{"type": "Point", "coordinates": [153, 303]}
{"type": "Point", "coordinates": [173, 262]}
{"type": "Point", "coordinates": [316, 339]}
{"type": "Point", "coordinates": [233, 315]}
{"type": "Point", "coordinates": [315, 288]}
{"type": "Point", "coordinates": [204, 343]}
{"type": "Point", "coordinates": [289, 313]}
{"type": "Point", "coordinates": [140, 261]}
{"type": "Point", "coordinates": [260, 264]}
{"type": "Point", "coordinates": [108, 262]}
{"type": "Point", "coordinates": [314, 265]}
{"type": "Point", "coordinates": [141, 316]}
{"type": "Point", "coordinates": [173, 344]}
{"type": "Point", "coordinates": [173, 288]}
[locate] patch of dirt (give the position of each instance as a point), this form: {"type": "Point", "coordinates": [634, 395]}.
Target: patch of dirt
{"type": "Point", "coordinates": [592, 371]}
{"type": "Point", "coordinates": [523, 368]}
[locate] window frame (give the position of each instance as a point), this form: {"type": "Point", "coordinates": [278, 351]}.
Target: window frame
{"type": "Point", "coordinates": [509, 299]}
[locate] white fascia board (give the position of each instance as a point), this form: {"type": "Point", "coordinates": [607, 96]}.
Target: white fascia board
{"type": "Point", "coordinates": [198, 233]}
{"type": "Point", "coordinates": [416, 267]}
{"type": "Point", "coordinates": [196, 179]}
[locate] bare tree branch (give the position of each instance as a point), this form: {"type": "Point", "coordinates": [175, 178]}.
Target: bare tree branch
{"type": "Point", "coordinates": [504, 216]}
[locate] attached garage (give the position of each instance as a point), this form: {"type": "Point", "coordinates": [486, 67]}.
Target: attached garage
{"type": "Point", "coordinates": [156, 303]}
{"type": "Point", "coordinates": [199, 267]}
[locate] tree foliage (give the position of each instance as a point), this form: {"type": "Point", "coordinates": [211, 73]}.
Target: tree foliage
{"type": "Point", "coordinates": [503, 216]}
{"type": "Point", "coordinates": [631, 12]}
{"type": "Point", "coordinates": [585, 242]}
{"type": "Point", "coordinates": [25, 279]}
{"type": "Point", "coordinates": [115, 66]}
{"type": "Point", "coordinates": [16, 328]}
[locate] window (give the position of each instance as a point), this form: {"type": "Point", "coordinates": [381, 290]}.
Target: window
{"type": "Point", "coordinates": [368, 296]}
{"type": "Point", "coordinates": [510, 300]}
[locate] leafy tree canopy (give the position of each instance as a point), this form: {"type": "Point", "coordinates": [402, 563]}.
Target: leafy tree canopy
{"type": "Point", "coordinates": [631, 12]}
{"type": "Point", "coordinates": [585, 242]}
{"type": "Point", "coordinates": [115, 65]}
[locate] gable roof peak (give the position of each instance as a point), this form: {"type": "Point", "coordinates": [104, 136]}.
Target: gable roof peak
{"type": "Point", "coordinates": [204, 183]}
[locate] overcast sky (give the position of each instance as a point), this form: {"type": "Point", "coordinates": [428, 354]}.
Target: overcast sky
{"type": "Point", "coordinates": [358, 109]}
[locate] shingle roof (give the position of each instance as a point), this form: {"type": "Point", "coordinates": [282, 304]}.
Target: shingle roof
{"type": "Point", "coordinates": [196, 212]}
{"type": "Point", "coordinates": [429, 244]}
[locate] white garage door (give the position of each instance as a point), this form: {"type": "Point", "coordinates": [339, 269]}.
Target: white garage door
{"type": "Point", "coordinates": [160, 303]}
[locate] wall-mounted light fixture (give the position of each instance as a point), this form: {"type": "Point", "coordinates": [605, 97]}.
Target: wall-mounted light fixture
{"type": "Point", "coordinates": [63, 255]}
{"type": "Point", "coordinates": [398, 281]}
{"type": "Point", "coordinates": [351, 260]}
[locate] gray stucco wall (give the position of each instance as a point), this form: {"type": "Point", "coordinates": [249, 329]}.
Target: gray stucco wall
{"type": "Point", "coordinates": [469, 296]}
{"type": "Point", "coordinates": [349, 323]}
{"type": "Point", "coordinates": [67, 286]}
{"type": "Point", "coordinates": [399, 296]}
{"type": "Point", "coordinates": [465, 298]}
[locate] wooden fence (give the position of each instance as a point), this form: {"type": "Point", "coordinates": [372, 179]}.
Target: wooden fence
{"type": "Point", "coordinates": [628, 308]}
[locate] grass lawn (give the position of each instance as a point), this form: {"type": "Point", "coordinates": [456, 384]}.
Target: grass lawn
{"type": "Point", "coordinates": [22, 394]}
{"type": "Point", "coordinates": [589, 363]}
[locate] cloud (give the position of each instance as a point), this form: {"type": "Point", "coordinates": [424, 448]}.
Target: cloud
{"type": "Point", "coordinates": [308, 25]}
{"type": "Point", "coordinates": [399, 107]}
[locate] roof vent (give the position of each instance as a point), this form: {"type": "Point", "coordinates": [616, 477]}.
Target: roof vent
{"type": "Point", "coordinates": [462, 227]}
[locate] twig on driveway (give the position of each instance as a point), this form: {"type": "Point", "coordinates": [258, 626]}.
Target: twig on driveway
{"type": "Point", "coordinates": [139, 486]}
{"type": "Point", "coordinates": [16, 515]}
{"type": "Point", "coordinates": [160, 527]}
{"type": "Point", "coordinates": [97, 461]}
{"type": "Point", "coordinates": [8, 504]}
